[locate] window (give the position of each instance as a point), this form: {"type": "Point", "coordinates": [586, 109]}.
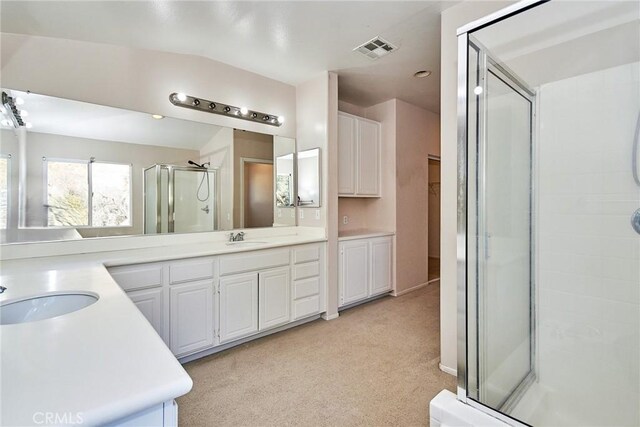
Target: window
{"type": "Point", "coordinates": [4, 190]}
{"type": "Point", "coordinates": [90, 194]}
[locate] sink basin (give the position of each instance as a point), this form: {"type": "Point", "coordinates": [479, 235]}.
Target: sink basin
{"type": "Point", "coordinates": [44, 306]}
{"type": "Point", "coordinates": [245, 243]}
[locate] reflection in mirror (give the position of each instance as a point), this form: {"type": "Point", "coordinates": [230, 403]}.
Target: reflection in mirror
{"type": "Point", "coordinates": [309, 178]}
{"type": "Point", "coordinates": [79, 170]}
{"type": "Point", "coordinates": [284, 152]}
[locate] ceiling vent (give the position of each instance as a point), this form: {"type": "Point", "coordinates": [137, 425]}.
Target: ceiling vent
{"type": "Point", "coordinates": [375, 48]}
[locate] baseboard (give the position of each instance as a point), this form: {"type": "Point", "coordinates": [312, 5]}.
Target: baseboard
{"type": "Point", "coordinates": [448, 370]}
{"type": "Point", "coordinates": [406, 291]}
{"type": "Point", "coordinates": [330, 317]}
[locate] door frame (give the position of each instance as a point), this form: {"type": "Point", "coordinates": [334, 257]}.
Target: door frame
{"type": "Point", "coordinates": [438, 159]}
{"type": "Point", "coordinates": [243, 161]}
{"type": "Point", "coordinates": [487, 65]}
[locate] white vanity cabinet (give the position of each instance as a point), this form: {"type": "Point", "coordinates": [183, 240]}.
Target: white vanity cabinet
{"type": "Point", "coordinates": [365, 268]}
{"type": "Point", "coordinates": [274, 287]}
{"type": "Point", "coordinates": [238, 306]}
{"type": "Point", "coordinates": [143, 285]}
{"type": "Point", "coordinates": [358, 156]}
{"type": "Point", "coordinates": [176, 297]}
{"type": "Point", "coordinates": [254, 292]}
{"type": "Point", "coordinates": [191, 314]}
{"type": "Point", "coordinates": [199, 304]}
{"type": "Point", "coordinates": [307, 295]}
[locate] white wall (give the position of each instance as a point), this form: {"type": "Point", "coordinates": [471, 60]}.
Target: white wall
{"type": "Point", "coordinates": [312, 132]}
{"type": "Point", "coordinates": [317, 113]}
{"type": "Point", "coordinates": [452, 18]}
{"type": "Point", "coordinates": [589, 257]}
{"type": "Point", "coordinates": [141, 80]}
{"type": "Point", "coordinates": [219, 152]}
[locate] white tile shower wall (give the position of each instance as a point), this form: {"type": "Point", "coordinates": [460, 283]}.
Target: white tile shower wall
{"type": "Point", "coordinates": [589, 256]}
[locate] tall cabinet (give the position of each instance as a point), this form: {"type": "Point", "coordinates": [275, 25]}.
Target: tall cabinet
{"type": "Point", "coordinates": [358, 156]}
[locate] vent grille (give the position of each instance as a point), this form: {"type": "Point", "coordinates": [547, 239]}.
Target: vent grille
{"type": "Point", "coordinates": [375, 48]}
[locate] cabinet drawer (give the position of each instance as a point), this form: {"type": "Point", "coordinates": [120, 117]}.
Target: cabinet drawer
{"type": "Point", "coordinates": [250, 261]}
{"type": "Point", "coordinates": [303, 271]}
{"type": "Point", "coordinates": [306, 307]}
{"type": "Point", "coordinates": [184, 271]}
{"type": "Point", "coordinates": [306, 254]}
{"type": "Point", "coordinates": [132, 277]}
{"type": "Point", "coordinates": [306, 288]}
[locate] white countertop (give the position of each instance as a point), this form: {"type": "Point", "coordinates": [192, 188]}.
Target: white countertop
{"type": "Point", "coordinates": [104, 361]}
{"type": "Point", "coordinates": [362, 233]}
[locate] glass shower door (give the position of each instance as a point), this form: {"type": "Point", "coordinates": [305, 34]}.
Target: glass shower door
{"type": "Point", "coordinates": [503, 216]}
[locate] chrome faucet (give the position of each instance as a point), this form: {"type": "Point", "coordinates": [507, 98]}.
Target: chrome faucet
{"type": "Point", "coordinates": [236, 237]}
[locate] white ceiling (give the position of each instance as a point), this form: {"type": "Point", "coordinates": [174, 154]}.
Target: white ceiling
{"type": "Point", "coordinates": [83, 120]}
{"type": "Point", "coordinates": [287, 41]}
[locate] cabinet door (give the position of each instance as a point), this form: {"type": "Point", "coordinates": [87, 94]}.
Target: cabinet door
{"type": "Point", "coordinates": [238, 306]}
{"type": "Point", "coordinates": [191, 315]}
{"type": "Point", "coordinates": [347, 137]}
{"type": "Point", "coordinates": [149, 302]}
{"type": "Point", "coordinates": [368, 159]}
{"type": "Point", "coordinates": [354, 271]}
{"type": "Point", "coordinates": [274, 290]}
{"type": "Point", "coordinates": [381, 265]}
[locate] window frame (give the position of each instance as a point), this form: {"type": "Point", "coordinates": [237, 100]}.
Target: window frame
{"type": "Point", "coordinates": [89, 164]}
{"type": "Point", "coordinates": [9, 218]}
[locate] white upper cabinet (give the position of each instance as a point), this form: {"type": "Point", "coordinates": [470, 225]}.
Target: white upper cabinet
{"type": "Point", "coordinates": [347, 145]}
{"type": "Point", "coordinates": [358, 156]}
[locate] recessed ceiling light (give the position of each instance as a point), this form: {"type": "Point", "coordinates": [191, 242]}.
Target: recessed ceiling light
{"type": "Point", "coordinates": [157, 116]}
{"type": "Point", "coordinates": [181, 97]}
{"type": "Point", "coordinates": [244, 111]}
{"type": "Point", "coordinates": [422, 73]}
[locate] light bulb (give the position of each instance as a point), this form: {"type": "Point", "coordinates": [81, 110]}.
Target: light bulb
{"type": "Point", "coordinates": [157, 116]}
{"type": "Point", "coordinates": [28, 125]}
{"type": "Point", "coordinates": [477, 90]}
{"type": "Point", "coordinates": [281, 119]}
{"type": "Point", "coordinates": [19, 101]}
{"type": "Point", "coordinates": [244, 111]}
{"type": "Point", "coordinates": [24, 113]}
{"type": "Point", "coordinates": [181, 97]}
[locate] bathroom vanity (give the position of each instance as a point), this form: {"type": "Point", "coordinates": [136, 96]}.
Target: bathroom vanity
{"type": "Point", "coordinates": [203, 305]}
{"type": "Point", "coordinates": [107, 363]}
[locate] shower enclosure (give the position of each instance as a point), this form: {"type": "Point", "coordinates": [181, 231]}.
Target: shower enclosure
{"type": "Point", "coordinates": [179, 199]}
{"type": "Point", "coordinates": [549, 214]}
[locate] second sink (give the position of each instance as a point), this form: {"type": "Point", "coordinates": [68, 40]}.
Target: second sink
{"type": "Point", "coordinates": [44, 306]}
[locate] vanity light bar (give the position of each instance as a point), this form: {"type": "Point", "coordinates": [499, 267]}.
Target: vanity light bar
{"type": "Point", "coordinates": [187, 101]}
{"type": "Point", "coordinates": [11, 111]}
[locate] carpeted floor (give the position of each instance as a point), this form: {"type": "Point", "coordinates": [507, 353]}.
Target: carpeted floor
{"type": "Point", "coordinates": [375, 365]}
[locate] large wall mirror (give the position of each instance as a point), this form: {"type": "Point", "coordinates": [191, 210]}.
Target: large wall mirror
{"type": "Point", "coordinates": [76, 170]}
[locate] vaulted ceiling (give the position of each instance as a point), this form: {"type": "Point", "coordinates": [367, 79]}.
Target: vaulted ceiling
{"type": "Point", "coordinates": [287, 41]}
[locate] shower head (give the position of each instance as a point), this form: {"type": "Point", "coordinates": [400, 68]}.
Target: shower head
{"type": "Point", "coordinates": [191, 162]}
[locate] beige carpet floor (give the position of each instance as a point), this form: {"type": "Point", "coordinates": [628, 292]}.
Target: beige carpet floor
{"type": "Point", "coordinates": [375, 365]}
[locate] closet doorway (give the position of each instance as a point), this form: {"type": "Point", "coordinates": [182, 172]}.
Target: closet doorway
{"type": "Point", "coordinates": [433, 215]}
